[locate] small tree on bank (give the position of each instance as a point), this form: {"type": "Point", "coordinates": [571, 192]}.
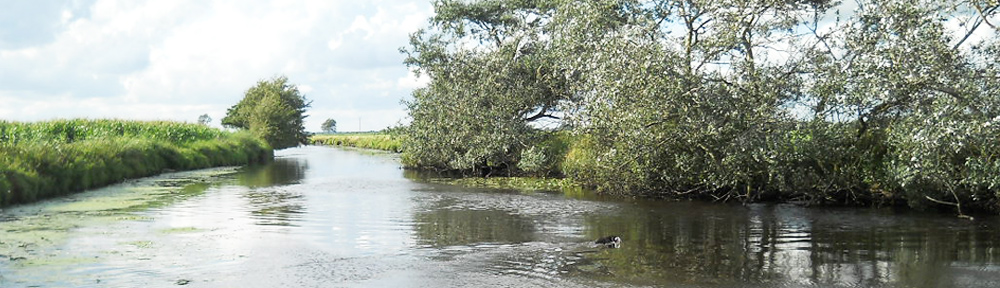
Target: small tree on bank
{"type": "Point", "coordinates": [329, 126]}
{"type": "Point", "coordinates": [204, 119]}
{"type": "Point", "coordinates": [273, 110]}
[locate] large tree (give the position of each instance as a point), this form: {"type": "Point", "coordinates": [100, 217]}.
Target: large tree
{"type": "Point", "coordinates": [891, 101]}
{"type": "Point", "coordinates": [920, 98]}
{"type": "Point", "coordinates": [273, 110]}
{"type": "Point", "coordinates": [681, 96]}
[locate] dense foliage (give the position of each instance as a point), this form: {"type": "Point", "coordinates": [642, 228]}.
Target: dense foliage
{"type": "Point", "coordinates": [45, 159]}
{"type": "Point", "coordinates": [273, 110]}
{"type": "Point", "coordinates": [476, 113]}
{"type": "Point", "coordinates": [813, 100]}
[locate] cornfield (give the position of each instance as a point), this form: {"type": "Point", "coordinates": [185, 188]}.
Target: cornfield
{"type": "Point", "coordinates": [69, 131]}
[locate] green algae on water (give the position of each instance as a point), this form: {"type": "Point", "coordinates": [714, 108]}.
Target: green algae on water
{"type": "Point", "coordinates": [31, 233]}
{"type": "Point", "coordinates": [178, 230]}
{"type": "Point", "coordinates": [512, 183]}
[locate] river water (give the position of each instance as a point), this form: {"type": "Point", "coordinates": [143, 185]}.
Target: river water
{"type": "Point", "coordinates": [329, 217]}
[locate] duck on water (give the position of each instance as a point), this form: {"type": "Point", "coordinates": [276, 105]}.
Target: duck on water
{"type": "Point", "coordinates": [610, 241]}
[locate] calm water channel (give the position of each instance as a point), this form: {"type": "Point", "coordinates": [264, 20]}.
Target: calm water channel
{"type": "Point", "coordinates": [327, 217]}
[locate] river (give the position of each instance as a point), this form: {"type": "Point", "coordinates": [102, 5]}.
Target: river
{"type": "Point", "coordinates": [330, 217]}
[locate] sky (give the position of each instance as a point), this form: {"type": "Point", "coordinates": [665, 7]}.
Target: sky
{"type": "Point", "coordinates": [178, 59]}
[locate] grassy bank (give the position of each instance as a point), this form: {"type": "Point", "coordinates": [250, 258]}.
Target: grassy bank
{"type": "Point", "coordinates": [377, 140]}
{"type": "Point", "coordinates": [51, 158]}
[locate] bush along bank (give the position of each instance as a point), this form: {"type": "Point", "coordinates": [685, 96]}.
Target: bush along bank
{"type": "Point", "coordinates": [45, 159]}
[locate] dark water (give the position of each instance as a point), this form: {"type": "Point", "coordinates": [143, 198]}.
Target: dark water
{"type": "Point", "coordinates": [325, 217]}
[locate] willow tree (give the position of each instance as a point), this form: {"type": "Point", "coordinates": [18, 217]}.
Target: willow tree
{"type": "Point", "coordinates": [491, 76]}
{"type": "Point", "coordinates": [743, 99]}
{"type": "Point", "coordinates": [683, 97]}
{"type": "Point", "coordinates": [272, 110]}
{"type": "Point", "coordinates": [918, 99]}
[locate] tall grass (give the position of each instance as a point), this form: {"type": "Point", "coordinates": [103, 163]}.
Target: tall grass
{"type": "Point", "coordinates": [45, 159]}
{"type": "Point", "coordinates": [377, 141]}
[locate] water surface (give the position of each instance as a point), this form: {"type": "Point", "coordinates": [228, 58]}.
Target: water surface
{"type": "Point", "coordinates": [327, 217]}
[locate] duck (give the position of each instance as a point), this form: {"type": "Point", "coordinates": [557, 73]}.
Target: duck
{"type": "Point", "coordinates": [612, 241]}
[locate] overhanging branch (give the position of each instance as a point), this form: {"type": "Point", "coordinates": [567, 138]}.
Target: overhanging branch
{"type": "Point", "coordinates": [540, 115]}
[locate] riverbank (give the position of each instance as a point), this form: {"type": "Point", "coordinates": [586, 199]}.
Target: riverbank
{"type": "Point", "coordinates": [51, 158]}
{"type": "Point", "coordinates": [391, 143]}
{"type": "Point", "coordinates": [375, 140]}
{"type": "Point", "coordinates": [566, 162]}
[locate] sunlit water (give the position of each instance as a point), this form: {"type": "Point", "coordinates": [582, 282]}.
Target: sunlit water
{"type": "Point", "coordinates": [326, 217]}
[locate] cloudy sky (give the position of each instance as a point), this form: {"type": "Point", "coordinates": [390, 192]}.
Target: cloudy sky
{"type": "Point", "coordinates": [178, 59]}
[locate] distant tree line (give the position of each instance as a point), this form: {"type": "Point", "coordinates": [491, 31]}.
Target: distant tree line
{"type": "Point", "coordinates": [892, 102]}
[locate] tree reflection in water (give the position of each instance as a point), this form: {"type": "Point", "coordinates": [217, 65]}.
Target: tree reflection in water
{"type": "Point", "coordinates": [722, 244]}
{"type": "Point", "coordinates": [271, 201]}
{"type": "Point", "coordinates": [670, 243]}
{"type": "Point", "coordinates": [281, 171]}
{"type": "Point", "coordinates": [708, 244]}
{"type": "Point", "coordinates": [445, 227]}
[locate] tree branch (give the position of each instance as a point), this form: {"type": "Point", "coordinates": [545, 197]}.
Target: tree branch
{"type": "Point", "coordinates": [940, 201]}
{"type": "Point", "coordinates": [969, 33]}
{"type": "Point", "coordinates": [957, 205]}
{"type": "Point", "coordinates": [983, 15]}
{"type": "Point", "coordinates": [541, 114]}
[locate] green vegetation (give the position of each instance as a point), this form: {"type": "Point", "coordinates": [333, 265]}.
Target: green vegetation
{"type": "Point", "coordinates": [746, 100]}
{"type": "Point", "coordinates": [272, 110]}
{"type": "Point", "coordinates": [476, 113]}
{"type": "Point", "coordinates": [179, 230]}
{"type": "Point", "coordinates": [50, 158]}
{"type": "Point", "coordinates": [377, 141]}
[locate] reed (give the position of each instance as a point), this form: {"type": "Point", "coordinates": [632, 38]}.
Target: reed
{"type": "Point", "coordinates": [50, 158]}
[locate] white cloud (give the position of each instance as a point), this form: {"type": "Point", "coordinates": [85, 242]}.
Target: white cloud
{"type": "Point", "coordinates": [180, 59]}
{"type": "Point", "coordinates": [411, 81]}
